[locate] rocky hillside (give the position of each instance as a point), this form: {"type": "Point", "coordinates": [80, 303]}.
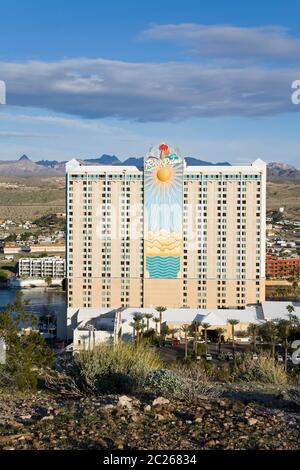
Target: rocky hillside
{"type": "Point", "coordinates": [259, 420]}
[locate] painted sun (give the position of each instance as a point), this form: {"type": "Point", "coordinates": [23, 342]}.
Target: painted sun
{"type": "Point", "coordinates": [164, 174]}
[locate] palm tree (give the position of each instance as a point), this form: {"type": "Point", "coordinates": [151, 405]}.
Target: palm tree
{"type": "Point", "coordinates": [284, 327]}
{"type": "Point", "coordinates": [143, 324]}
{"type": "Point", "coordinates": [132, 324]}
{"type": "Point", "coordinates": [156, 321]}
{"type": "Point", "coordinates": [185, 329]}
{"type": "Point", "coordinates": [148, 317]}
{"type": "Point", "coordinates": [290, 309]}
{"type": "Point", "coordinates": [196, 325]}
{"type": "Point", "coordinates": [160, 310]}
{"type": "Point", "coordinates": [252, 330]}
{"type": "Point", "coordinates": [138, 319]}
{"type": "Point", "coordinates": [294, 320]}
{"type": "Point", "coordinates": [172, 331]}
{"type": "Point", "coordinates": [219, 331]}
{"type": "Point", "coordinates": [205, 327]}
{"type": "Point", "coordinates": [233, 323]}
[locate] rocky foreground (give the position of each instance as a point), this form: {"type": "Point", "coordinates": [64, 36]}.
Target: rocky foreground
{"type": "Point", "coordinates": [42, 421]}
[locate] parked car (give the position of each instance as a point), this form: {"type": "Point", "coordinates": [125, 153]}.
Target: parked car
{"type": "Point", "coordinates": [245, 339]}
{"type": "Point", "coordinates": [255, 356]}
{"type": "Point", "coordinates": [208, 357]}
{"type": "Point", "coordinates": [229, 357]}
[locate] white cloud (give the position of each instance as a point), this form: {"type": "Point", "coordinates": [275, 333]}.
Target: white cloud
{"type": "Point", "coordinates": [8, 134]}
{"type": "Point", "coordinates": [267, 42]}
{"type": "Point", "coordinates": [97, 88]}
{"type": "Point", "coordinates": [61, 121]}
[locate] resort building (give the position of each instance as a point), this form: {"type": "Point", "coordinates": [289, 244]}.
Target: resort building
{"type": "Point", "coordinates": [165, 234]}
{"type": "Point", "coordinates": [41, 268]}
{"type": "Point", "coordinates": [280, 268]}
{"type": "Point", "coordinates": [96, 326]}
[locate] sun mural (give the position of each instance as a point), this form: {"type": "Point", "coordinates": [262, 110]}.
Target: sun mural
{"type": "Point", "coordinates": [163, 170]}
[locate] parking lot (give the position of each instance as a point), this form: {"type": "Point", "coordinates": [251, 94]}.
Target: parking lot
{"type": "Point", "coordinates": [171, 353]}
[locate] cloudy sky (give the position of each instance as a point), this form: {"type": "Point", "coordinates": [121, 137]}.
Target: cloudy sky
{"type": "Point", "coordinates": [88, 77]}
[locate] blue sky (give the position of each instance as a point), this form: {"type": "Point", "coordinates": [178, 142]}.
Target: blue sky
{"type": "Point", "coordinates": [86, 78]}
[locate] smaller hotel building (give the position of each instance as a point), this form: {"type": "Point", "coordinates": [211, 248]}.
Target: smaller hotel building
{"type": "Point", "coordinates": [165, 234]}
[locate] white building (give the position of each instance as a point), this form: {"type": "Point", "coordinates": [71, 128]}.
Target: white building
{"type": "Point", "coordinates": [52, 266]}
{"type": "Point", "coordinates": [93, 326]}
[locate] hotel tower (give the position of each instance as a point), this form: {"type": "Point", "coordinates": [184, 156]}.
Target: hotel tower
{"type": "Point", "coordinates": [165, 234]}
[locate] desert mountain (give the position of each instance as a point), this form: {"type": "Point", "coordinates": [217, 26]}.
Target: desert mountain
{"type": "Point", "coordinates": [282, 171]}
{"type": "Point", "coordinates": [26, 167]}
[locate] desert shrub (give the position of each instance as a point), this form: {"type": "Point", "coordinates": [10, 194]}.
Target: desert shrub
{"type": "Point", "coordinates": [198, 382]}
{"type": "Point", "coordinates": [190, 383]}
{"type": "Point", "coordinates": [264, 370]}
{"type": "Point", "coordinates": [294, 376]}
{"type": "Point", "coordinates": [121, 368]}
{"type": "Point", "coordinates": [294, 395]}
{"type": "Point", "coordinates": [164, 382]}
{"type": "Point", "coordinates": [223, 373]}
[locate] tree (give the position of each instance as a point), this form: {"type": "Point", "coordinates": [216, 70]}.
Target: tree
{"type": "Point", "coordinates": [132, 324]}
{"type": "Point", "coordinates": [164, 331]}
{"type": "Point", "coordinates": [195, 326]}
{"type": "Point", "coordinates": [185, 329]}
{"type": "Point", "coordinates": [27, 354]}
{"type": "Point", "coordinates": [48, 281]}
{"type": "Point", "coordinates": [205, 327]}
{"type": "Point", "coordinates": [233, 323]}
{"type": "Point", "coordinates": [252, 330]}
{"type": "Point", "coordinates": [160, 310]}
{"type": "Point", "coordinates": [269, 332]}
{"type": "Point", "coordinates": [137, 320]}
{"type": "Point", "coordinates": [290, 309]}
{"type": "Point", "coordinates": [220, 332]}
{"type": "Point", "coordinates": [148, 317]}
{"type": "Point", "coordinates": [172, 331]}
{"type": "Point", "coordinates": [284, 329]}
{"type": "Point", "coordinates": [156, 321]}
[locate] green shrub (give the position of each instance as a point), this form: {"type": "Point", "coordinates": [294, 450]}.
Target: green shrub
{"type": "Point", "coordinates": [27, 356]}
{"type": "Point", "coordinates": [165, 382]}
{"type": "Point", "coordinates": [264, 370]}
{"type": "Point", "coordinates": [121, 368]}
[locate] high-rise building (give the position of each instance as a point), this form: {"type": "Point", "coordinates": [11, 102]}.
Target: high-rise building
{"type": "Point", "coordinates": [165, 234]}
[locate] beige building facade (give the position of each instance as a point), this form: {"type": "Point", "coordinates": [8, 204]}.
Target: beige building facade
{"type": "Point", "coordinates": [166, 234]}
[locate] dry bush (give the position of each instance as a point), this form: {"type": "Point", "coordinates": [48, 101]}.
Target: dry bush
{"type": "Point", "coordinates": [198, 383]}
{"type": "Point", "coordinates": [262, 370]}
{"type": "Point", "coordinates": [120, 368]}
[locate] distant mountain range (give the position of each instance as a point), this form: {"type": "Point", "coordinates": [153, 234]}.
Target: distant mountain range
{"type": "Point", "coordinates": [282, 171]}
{"type": "Point", "coordinates": [26, 167]}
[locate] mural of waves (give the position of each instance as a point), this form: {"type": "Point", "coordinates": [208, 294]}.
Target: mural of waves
{"type": "Point", "coordinates": [163, 267]}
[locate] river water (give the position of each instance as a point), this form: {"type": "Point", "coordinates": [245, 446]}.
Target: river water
{"type": "Point", "coordinates": [41, 301]}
